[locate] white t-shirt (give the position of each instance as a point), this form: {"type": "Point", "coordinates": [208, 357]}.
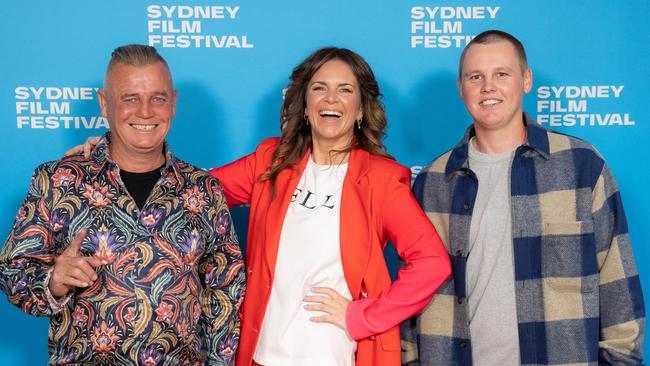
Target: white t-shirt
{"type": "Point", "coordinates": [309, 255]}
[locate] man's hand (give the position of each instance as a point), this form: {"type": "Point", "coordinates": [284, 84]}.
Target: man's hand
{"type": "Point", "coordinates": [71, 269]}
{"type": "Point", "coordinates": [86, 148]}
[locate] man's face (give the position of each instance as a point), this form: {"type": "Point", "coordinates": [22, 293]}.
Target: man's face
{"type": "Point", "coordinates": [492, 85]}
{"type": "Point", "coordinates": [139, 103]}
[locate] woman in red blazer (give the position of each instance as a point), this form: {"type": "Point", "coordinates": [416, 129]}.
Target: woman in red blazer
{"type": "Point", "coordinates": [332, 115]}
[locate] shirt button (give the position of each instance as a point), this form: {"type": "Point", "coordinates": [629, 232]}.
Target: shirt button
{"type": "Point", "coordinates": [466, 206]}
{"type": "Point", "coordinates": [372, 338]}
{"type": "Point", "coordinates": [460, 301]}
{"type": "Point", "coordinates": [459, 253]}
{"type": "Point", "coordinates": [462, 343]}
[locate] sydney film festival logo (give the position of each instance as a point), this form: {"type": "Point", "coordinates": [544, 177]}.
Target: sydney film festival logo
{"type": "Point", "coordinates": [444, 26]}
{"type": "Point", "coordinates": [194, 26]}
{"type": "Point", "coordinates": [52, 107]}
{"type": "Point", "coordinates": [581, 106]}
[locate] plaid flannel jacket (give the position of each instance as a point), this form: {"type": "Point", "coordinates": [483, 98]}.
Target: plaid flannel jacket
{"type": "Point", "coordinates": [578, 293]}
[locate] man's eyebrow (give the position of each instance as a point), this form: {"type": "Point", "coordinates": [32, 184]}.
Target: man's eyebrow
{"type": "Point", "coordinates": [476, 71]}
{"type": "Point", "coordinates": [163, 93]}
{"type": "Point", "coordinates": [469, 72]}
{"type": "Point", "coordinates": [126, 95]}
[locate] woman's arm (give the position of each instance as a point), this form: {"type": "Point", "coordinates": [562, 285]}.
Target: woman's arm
{"type": "Point", "coordinates": [427, 265]}
{"type": "Point", "coordinates": [237, 179]}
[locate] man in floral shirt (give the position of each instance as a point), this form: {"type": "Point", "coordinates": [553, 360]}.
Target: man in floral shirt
{"type": "Point", "coordinates": [132, 254]}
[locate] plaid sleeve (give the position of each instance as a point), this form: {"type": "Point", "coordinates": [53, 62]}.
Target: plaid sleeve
{"type": "Point", "coordinates": [622, 312]}
{"type": "Point", "coordinates": [408, 328]}
{"type": "Point", "coordinates": [409, 342]}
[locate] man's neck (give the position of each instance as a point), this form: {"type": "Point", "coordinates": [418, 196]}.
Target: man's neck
{"type": "Point", "coordinates": [138, 163]}
{"type": "Point", "coordinates": [500, 140]}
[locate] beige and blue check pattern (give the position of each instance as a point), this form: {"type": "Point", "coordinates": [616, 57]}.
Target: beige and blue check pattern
{"type": "Point", "coordinates": [578, 294]}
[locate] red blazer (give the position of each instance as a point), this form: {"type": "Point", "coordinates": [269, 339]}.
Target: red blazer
{"type": "Point", "coordinates": [376, 205]}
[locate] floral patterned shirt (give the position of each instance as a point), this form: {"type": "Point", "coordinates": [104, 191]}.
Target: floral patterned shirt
{"type": "Point", "coordinates": [171, 290]}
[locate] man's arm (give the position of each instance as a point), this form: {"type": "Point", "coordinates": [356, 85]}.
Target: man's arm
{"type": "Point", "coordinates": [408, 332]}
{"type": "Point", "coordinates": [222, 270]}
{"type": "Point", "coordinates": [28, 252]}
{"type": "Point", "coordinates": [622, 312]}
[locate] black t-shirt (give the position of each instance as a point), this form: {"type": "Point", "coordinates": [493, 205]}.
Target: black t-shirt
{"type": "Point", "coordinates": [140, 185]}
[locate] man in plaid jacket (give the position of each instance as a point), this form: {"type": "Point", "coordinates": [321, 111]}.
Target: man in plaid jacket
{"type": "Point", "coordinates": [543, 270]}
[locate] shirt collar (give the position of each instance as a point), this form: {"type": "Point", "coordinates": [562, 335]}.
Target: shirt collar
{"type": "Point", "coordinates": [101, 159]}
{"type": "Point", "coordinates": [536, 140]}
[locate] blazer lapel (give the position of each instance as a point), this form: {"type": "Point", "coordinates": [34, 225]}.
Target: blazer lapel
{"type": "Point", "coordinates": [356, 218]}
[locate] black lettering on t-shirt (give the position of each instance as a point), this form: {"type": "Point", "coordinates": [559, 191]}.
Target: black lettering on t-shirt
{"type": "Point", "coordinates": [309, 201]}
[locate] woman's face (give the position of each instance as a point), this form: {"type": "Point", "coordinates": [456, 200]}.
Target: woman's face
{"type": "Point", "coordinates": [333, 105]}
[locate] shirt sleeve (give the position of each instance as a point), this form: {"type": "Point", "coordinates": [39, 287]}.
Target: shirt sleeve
{"type": "Point", "coordinates": [622, 311]}
{"type": "Point", "coordinates": [55, 304]}
{"type": "Point", "coordinates": [28, 252]}
{"type": "Point", "coordinates": [222, 270]}
{"type": "Point", "coordinates": [426, 267]}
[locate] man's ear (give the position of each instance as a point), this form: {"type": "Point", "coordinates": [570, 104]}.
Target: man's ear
{"type": "Point", "coordinates": [103, 103]}
{"type": "Point", "coordinates": [174, 98]}
{"type": "Point", "coordinates": [528, 80]}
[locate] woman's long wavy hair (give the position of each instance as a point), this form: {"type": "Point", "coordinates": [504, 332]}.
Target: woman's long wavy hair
{"type": "Point", "coordinates": [296, 134]}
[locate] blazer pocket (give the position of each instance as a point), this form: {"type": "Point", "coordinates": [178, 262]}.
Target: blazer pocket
{"type": "Point", "coordinates": [390, 340]}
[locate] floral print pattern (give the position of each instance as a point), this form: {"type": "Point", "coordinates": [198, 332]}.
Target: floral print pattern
{"type": "Point", "coordinates": [194, 200]}
{"type": "Point", "coordinates": [97, 195]}
{"type": "Point", "coordinates": [62, 177]}
{"type": "Point", "coordinates": [104, 338]}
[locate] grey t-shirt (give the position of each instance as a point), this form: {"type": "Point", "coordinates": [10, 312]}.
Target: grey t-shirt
{"type": "Point", "coordinates": [490, 264]}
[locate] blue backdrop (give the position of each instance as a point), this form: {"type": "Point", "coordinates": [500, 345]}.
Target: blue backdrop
{"type": "Point", "coordinates": [231, 59]}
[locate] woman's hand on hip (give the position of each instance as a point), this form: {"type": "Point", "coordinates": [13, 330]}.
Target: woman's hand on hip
{"type": "Point", "coordinates": [329, 301]}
